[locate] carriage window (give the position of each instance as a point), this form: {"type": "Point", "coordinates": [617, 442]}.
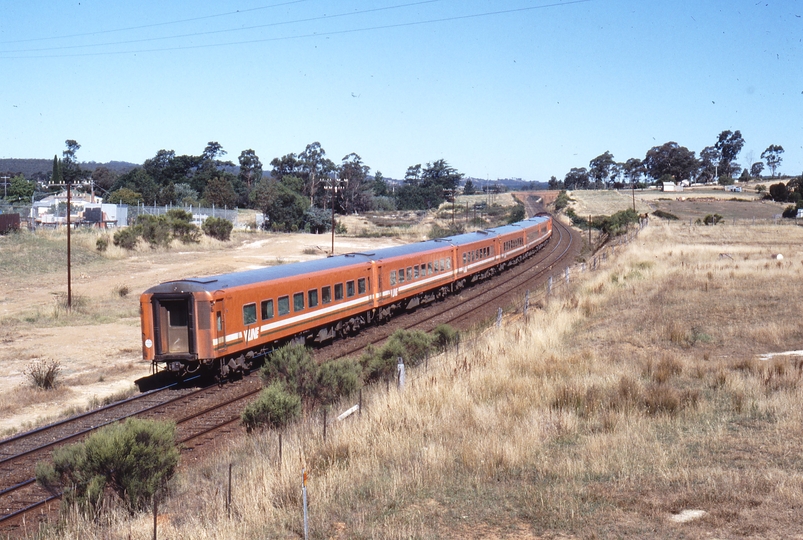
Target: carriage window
{"type": "Point", "coordinates": [409, 273]}
{"type": "Point", "coordinates": [401, 275]}
{"type": "Point", "coordinates": [326, 294]}
{"type": "Point", "coordinates": [429, 268]}
{"type": "Point", "coordinates": [312, 297]}
{"type": "Point", "coordinates": [448, 264]}
{"type": "Point", "coordinates": [423, 270]}
{"type": "Point", "coordinates": [464, 258]}
{"type": "Point", "coordinates": [392, 278]}
{"type": "Point", "coordinates": [267, 309]}
{"type": "Point", "coordinates": [284, 305]}
{"type": "Point", "coordinates": [415, 272]}
{"type": "Point", "coordinates": [338, 291]}
{"type": "Point", "coordinates": [361, 286]}
{"type": "Point", "coordinates": [249, 314]}
{"type": "Point", "coordinates": [298, 301]}
{"type": "Point", "coordinates": [219, 321]}
{"type": "Point", "coordinates": [349, 289]}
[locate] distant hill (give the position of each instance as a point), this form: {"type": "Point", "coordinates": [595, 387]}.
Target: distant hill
{"type": "Point", "coordinates": [41, 168]}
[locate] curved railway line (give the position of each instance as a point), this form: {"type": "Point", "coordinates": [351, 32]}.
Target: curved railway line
{"type": "Point", "coordinates": [203, 414]}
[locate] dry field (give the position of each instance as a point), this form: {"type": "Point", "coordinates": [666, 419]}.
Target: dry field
{"type": "Point", "coordinates": [636, 404]}
{"type": "Point", "coordinates": [98, 344]}
{"type": "Point", "coordinates": [691, 204]}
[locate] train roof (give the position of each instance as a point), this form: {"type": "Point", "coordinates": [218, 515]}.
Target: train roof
{"type": "Point", "coordinates": [270, 273]}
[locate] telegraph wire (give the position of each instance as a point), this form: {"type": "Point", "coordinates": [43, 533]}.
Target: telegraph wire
{"type": "Point", "coordinates": [229, 30]}
{"type": "Point", "coordinates": [154, 25]}
{"type": "Point", "coordinates": [301, 36]}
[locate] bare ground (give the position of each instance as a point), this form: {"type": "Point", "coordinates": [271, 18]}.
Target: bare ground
{"type": "Point", "coordinates": [98, 344]}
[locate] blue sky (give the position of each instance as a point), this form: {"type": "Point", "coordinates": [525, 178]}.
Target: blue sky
{"type": "Point", "coordinates": [504, 88]}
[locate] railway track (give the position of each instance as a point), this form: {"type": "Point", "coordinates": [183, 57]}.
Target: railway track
{"type": "Point", "coordinates": [204, 414]}
{"type": "Point", "coordinates": [198, 413]}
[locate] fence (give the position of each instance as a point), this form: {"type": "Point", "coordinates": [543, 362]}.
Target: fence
{"type": "Point", "coordinates": [199, 214]}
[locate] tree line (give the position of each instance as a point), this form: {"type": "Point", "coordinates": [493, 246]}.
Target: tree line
{"type": "Point", "coordinates": [671, 162]}
{"type": "Point", "coordinates": [298, 191]}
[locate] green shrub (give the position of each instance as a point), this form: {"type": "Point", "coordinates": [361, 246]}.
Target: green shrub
{"type": "Point", "coordinates": [133, 460]}
{"type": "Point", "coordinates": [126, 238]}
{"type": "Point", "coordinates": [218, 228]}
{"type": "Point", "coordinates": [155, 230]}
{"type": "Point", "coordinates": [712, 219]}
{"type": "Point", "coordinates": [562, 201]}
{"type": "Point", "coordinates": [102, 243]}
{"type": "Point", "coordinates": [516, 214]}
{"type": "Point", "coordinates": [293, 366]}
{"type": "Point", "coordinates": [412, 347]}
{"type": "Point", "coordinates": [274, 408]}
{"type": "Point", "coordinates": [436, 231]}
{"type": "Point", "coordinates": [445, 336]}
{"type": "Point", "coordinates": [181, 226]}
{"type": "Point", "coordinates": [339, 378]}
{"type": "Point", "coordinates": [665, 215]}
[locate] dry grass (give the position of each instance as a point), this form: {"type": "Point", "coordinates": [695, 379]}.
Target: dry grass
{"type": "Point", "coordinates": [618, 405]}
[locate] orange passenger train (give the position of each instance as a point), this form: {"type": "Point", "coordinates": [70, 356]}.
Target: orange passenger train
{"type": "Point", "coordinates": [225, 322]}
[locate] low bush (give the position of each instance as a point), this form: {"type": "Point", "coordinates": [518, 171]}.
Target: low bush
{"type": "Point", "coordinates": [275, 408]}
{"type": "Point", "coordinates": [218, 228]}
{"type": "Point", "coordinates": [444, 336]}
{"type": "Point", "coordinates": [102, 243]}
{"type": "Point", "coordinates": [294, 367]}
{"type": "Point", "coordinates": [126, 238]}
{"type": "Point", "coordinates": [336, 379]}
{"type": "Point", "coordinates": [43, 374]}
{"type": "Point", "coordinates": [133, 460]}
{"type": "Point", "coordinates": [665, 215]}
{"type": "Point", "coordinates": [712, 219]}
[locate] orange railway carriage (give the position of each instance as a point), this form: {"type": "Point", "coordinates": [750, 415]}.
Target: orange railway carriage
{"type": "Point", "coordinates": [223, 322]}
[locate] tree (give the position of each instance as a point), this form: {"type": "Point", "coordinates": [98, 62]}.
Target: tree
{"type": "Point", "coordinates": [729, 143]}
{"type": "Point", "coordinates": [709, 163]}
{"type": "Point", "coordinates": [380, 186]}
{"type": "Point", "coordinates": [56, 177]}
{"type": "Point", "coordinates": [219, 192]}
{"type": "Point", "coordinates": [315, 166]}
{"type": "Point", "coordinates": [633, 169]}
{"type": "Point", "coordinates": [779, 192]}
{"type": "Point", "coordinates": [413, 175]}
{"type": "Point", "coordinates": [356, 194]}
{"type": "Point", "coordinates": [104, 178]}
{"type": "Point", "coordinates": [124, 196]}
{"type": "Point", "coordinates": [671, 159]}
{"type": "Point", "coordinates": [576, 178]}
{"type": "Point", "coordinates": [468, 188]}
{"type": "Point", "coordinates": [70, 170]}
{"type": "Point", "coordinates": [756, 168]}
{"type": "Point", "coordinates": [772, 155]}
{"type": "Point", "coordinates": [20, 189]}
{"type": "Point", "coordinates": [250, 168]}
{"type": "Point", "coordinates": [139, 181]}
{"type": "Point", "coordinates": [282, 202]}
{"type": "Point", "coordinates": [600, 166]}
{"type": "Point", "coordinates": [287, 165]}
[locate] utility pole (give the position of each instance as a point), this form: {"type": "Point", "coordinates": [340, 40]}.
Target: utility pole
{"type": "Point", "coordinates": [69, 226]}
{"type": "Point", "coordinates": [334, 188]}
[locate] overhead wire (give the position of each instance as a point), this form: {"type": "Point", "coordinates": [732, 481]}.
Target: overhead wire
{"type": "Point", "coordinates": [228, 30]}
{"type": "Point", "coordinates": [154, 25]}
{"type": "Point", "coordinates": [292, 37]}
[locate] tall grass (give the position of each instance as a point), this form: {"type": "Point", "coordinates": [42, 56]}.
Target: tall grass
{"type": "Point", "coordinates": [616, 405]}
